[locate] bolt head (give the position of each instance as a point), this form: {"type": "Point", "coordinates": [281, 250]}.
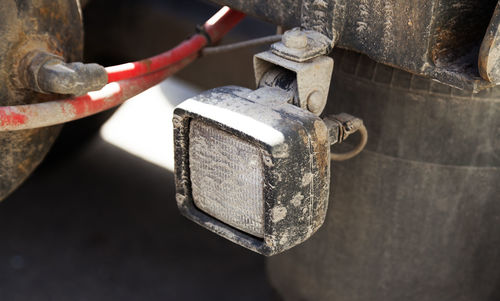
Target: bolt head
{"type": "Point", "coordinates": [295, 38]}
{"type": "Point", "coordinates": [315, 102]}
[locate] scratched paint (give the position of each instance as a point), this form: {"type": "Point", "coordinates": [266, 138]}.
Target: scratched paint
{"type": "Point", "coordinates": [11, 119]}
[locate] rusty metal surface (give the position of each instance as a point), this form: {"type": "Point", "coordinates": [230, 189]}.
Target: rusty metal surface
{"type": "Point", "coordinates": [438, 39]}
{"type": "Point", "coordinates": [25, 26]}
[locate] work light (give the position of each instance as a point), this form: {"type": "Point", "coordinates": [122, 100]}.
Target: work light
{"type": "Point", "coordinates": [251, 167]}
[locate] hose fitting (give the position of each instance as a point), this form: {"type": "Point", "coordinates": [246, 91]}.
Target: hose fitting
{"type": "Point", "coordinates": [48, 73]}
{"type": "Point", "coordinates": [340, 127]}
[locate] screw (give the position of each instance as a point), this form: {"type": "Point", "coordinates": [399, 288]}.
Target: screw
{"type": "Point", "coordinates": [295, 38]}
{"type": "Point", "coordinates": [315, 102]}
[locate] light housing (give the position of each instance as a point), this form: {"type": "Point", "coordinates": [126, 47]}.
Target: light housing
{"type": "Point", "coordinates": [251, 167]}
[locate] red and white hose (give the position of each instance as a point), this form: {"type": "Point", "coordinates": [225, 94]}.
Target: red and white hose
{"type": "Point", "coordinates": [124, 81]}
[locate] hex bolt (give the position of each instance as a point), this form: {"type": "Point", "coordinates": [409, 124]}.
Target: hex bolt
{"type": "Point", "coordinates": [295, 38]}
{"type": "Point", "coordinates": [316, 102]}
{"type": "Point", "coordinates": [47, 73]}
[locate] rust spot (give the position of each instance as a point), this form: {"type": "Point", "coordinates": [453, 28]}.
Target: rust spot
{"type": "Point", "coordinates": [459, 32]}
{"type": "Point", "coordinates": [147, 63]}
{"type": "Point", "coordinates": [321, 131]}
{"type": "Point", "coordinates": [24, 166]}
{"type": "Point", "coordinates": [440, 49]}
{"type": "Point", "coordinates": [321, 146]}
{"type": "Point", "coordinates": [44, 11]}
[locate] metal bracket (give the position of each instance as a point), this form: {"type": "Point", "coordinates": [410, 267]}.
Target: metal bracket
{"type": "Point", "coordinates": [313, 77]}
{"type": "Point", "coordinates": [317, 33]}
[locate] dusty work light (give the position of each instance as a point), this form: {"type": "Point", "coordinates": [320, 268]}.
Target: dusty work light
{"type": "Point", "coordinates": [251, 167]}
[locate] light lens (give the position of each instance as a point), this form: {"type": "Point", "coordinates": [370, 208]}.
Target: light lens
{"type": "Point", "coordinates": [226, 177]}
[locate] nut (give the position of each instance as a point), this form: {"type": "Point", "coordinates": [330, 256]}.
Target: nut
{"type": "Point", "coordinates": [295, 38]}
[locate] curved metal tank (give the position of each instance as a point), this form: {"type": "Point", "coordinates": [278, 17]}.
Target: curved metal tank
{"type": "Point", "coordinates": [54, 26]}
{"type": "Point", "coordinates": [416, 216]}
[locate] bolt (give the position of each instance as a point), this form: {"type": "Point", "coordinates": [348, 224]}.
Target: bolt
{"type": "Point", "coordinates": [315, 102]}
{"type": "Point", "coordinates": [295, 38]}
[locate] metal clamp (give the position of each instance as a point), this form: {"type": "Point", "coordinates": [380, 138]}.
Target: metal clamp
{"type": "Point", "coordinates": [312, 77]}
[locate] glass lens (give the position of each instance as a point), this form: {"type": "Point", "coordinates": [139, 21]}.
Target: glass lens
{"type": "Point", "coordinates": [226, 177]}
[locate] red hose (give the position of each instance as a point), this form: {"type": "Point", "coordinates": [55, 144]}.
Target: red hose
{"type": "Point", "coordinates": [135, 69]}
{"type": "Point", "coordinates": [221, 23]}
{"type": "Point", "coordinates": [125, 81]}
{"type": "Point", "coordinates": [43, 114]}
{"type": "Point", "coordinates": [216, 27]}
